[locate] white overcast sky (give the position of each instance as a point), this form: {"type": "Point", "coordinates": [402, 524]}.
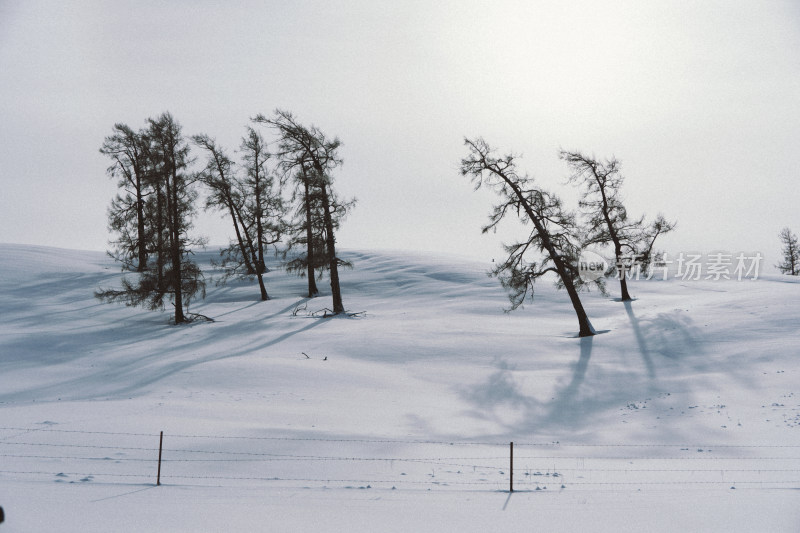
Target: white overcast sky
{"type": "Point", "coordinates": [699, 100]}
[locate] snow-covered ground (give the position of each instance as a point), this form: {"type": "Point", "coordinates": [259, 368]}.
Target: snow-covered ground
{"type": "Point", "coordinates": [683, 416]}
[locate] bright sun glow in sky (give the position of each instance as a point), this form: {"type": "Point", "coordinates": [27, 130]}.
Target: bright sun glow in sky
{"type": "Point", "coordinates": [700, 101]}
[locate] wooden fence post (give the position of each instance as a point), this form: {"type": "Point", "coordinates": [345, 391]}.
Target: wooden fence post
{"type": "Point", "coordinates": [160, 447]}
{"type": "Point", "coordinates": [511, 470]}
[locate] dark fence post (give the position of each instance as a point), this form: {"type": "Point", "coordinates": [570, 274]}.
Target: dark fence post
{"type": "Point", "coordinates": [160, 447]}
{"type": "Point", "coordinates": [511, 470]}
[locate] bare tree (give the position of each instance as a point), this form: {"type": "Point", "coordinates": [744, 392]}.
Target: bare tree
{"type": "Point", "coordinates": [791, 253]}
{"type": "Point", "coordinates": [306, 154]}
{"type": "Point", "coordinates": [173, 151]}
{"type": "Point", "coordinates": [225, 193]}
{"type": "Point", "coordinates": [264, 205]}
{"type": "Point", "coordinates": [646, 253]}
{"type": "Point", "coordinates": [256, 210]}
{"type": "Point", "coordinates": [128, 151]}
{"type": "Point", "coordinates": [307, 231]}
{"type": "Point", "coordinates": [552, 236]}
{"type": "Point", "coordinates": [172, 274]}
{"type": "Point", "coordinates": [607, 220]}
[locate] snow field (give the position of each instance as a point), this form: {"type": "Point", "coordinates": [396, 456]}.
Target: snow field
{"type": "Point", "coordinates": [683, 416]}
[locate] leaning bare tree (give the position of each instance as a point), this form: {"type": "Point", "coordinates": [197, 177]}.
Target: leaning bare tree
{"type": "Point", "coordinates": [790, 263]}
{"type": "Point", "coordinates": [552, 237]}
{"type": "Point", "coordinates": [607, 220]}
{"type": "Point", "coordinates": [308, 156]}
{"type": "Point", "coordinates": [254, 206]}
{"type": "Point", "coordinates": [225, 194]}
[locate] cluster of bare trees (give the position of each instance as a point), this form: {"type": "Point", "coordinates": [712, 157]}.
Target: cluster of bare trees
{"type": "Point", "coordinates": [557, 236]}
{"type": "Point", "coordinates": [308, 158]}
{"type": "Point", "coordinates": [790, 260]}
{"type": "Point", "coordinates": [152, 215]}
{"type": "Point", "coordinates": [284, 200]}
{"type": "Point", "coordinates": [281, 201]}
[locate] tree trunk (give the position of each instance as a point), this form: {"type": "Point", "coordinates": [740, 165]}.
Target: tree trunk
{"type": "Point", "coordinates": [252, 258]}
{"type": "Point", "coordinates": [585, 328]}
{"type": "Point", "coordinates": [259, 271]}
{"type": "Point", "coordinates": [612, 231]}
{"type": "Point", "coordinates": [174, 245]}
{"type": "Point", "coordinates": [312, 282]}
{"type": "Point", "coordinates": [262, 287]}
{"type": "Point", "coordinates": [259, 223]}
{"type": "Point", "coordinates": [260, 265]}
{"type": "Point", "coordinates": [245, 257]}
{"type": "Point", "coordinates": [159, 237]}
{"type": "Point", "coordinates": [623, 286]}
{"type": "Point", "coordinates": [622, 272]}
{"type": "Point", "coordinates": [140, 227]}
{"type": "Point", "coordinates": [338, 306]}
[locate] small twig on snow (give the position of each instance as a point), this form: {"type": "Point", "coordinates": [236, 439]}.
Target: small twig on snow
{"type": "Point", "coordinates": [193, 317]}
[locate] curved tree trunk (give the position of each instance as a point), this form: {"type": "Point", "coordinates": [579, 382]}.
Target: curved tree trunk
{"type": "Point", "coordinates": [585, 328]}
{"type": "Point", "coordinates": [622, 272]}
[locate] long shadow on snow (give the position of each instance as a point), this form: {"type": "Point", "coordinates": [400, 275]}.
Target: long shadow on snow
{"type": "Point", "coordinates": [153, 375]}
{"type": "Point", "coordinates": [31, 303]}
{"type": "Point", "coordinates": [122, 359]}
{"type": "Point", "coordinates": [590, 394]}
{"type": "Point", "coordinates": [564, 405]}
{"type": "Point", "coordinates": [55, 338]}
{"type": "Point", "coordinates": [122, 379]}
{"type": "Point", "coordinates": [640, 340]}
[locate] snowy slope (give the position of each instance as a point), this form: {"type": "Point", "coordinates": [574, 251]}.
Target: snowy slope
{"type": "Point", "coordinates": [683, 415]}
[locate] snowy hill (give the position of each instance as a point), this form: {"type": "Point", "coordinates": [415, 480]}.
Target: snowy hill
{"type": "Point", "coordinates": [684, 415]}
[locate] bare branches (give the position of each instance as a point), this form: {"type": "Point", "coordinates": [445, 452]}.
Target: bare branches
{"type": "Point", "coordinates": [153, 220]}
{"type": "Point", "coordinates": [194, 317]}
{"type": "Point", "coordinates": [552, 238]}
{"type": "Point", "coordinates": [307, 156]}
{"type": "Point", "coordinates": [131, 167]}
{"type": "Point", "coordinates": [300, 145]}
{"type": "Point", "coordinates": [247, 192]}
{"type": "Point", "coordinates": [790, 262]}
{"type": "Point", "coordinates": [325, 313]}
{"type": "Point", "coordinates": [606, 219]}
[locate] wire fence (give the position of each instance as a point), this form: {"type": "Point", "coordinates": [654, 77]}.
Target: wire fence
{"type": "Point", "coordinates": [71, 456]}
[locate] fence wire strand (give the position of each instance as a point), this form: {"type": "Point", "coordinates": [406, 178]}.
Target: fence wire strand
{"type": "Point", "coordinates": [419, 463]}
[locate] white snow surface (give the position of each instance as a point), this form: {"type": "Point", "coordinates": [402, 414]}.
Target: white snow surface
{"type": "Point", "coordinates": [684, 415]}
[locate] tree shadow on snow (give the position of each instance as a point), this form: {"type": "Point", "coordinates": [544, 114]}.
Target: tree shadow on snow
{"type": "Point", "coordinates": [640, 340]}
{"type": "Point", "coordinates": [668, 344]}
{"type": "Point", "coordinates": [125, 361]}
